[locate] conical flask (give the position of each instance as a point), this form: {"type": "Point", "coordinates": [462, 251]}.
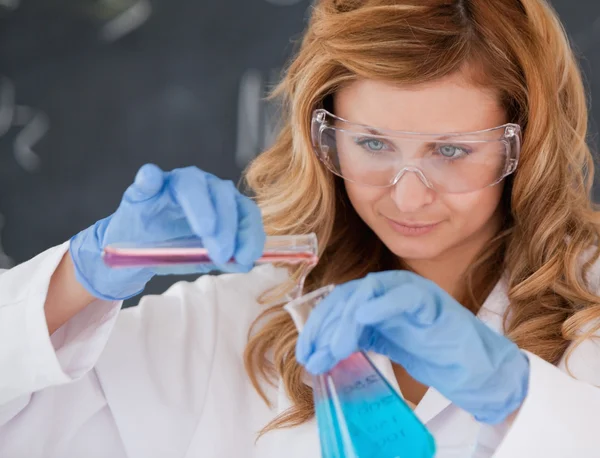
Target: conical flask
{"type": "Point", "coordinates": [359, 414]}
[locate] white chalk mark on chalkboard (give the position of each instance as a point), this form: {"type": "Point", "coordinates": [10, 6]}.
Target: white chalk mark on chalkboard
{"type": "Point", "coordinates": [27, 138]}
{"type": "Point", "coordinates": [126, 22]}
{"type": "Point", "coordinates": [10, 4]}
{"type": "Point", "coordinates": [589, 38]}
{"type": "Point", "coordinates": [256, 118]}
{"type": "Point", "coordinates": [270, 130]}
{"type": "Point", "coordinates": [248, 118]}
{"type": "Point", "coordinates": [35, 124]}
{"type": "Point", "coordinates": [7, 105]}
{"type": "Point", "coordinates": [6, 262]}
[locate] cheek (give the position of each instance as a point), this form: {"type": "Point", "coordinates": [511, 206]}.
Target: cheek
{"type": "Point", "coordinates": [364, 198]}
{"type": "Point", "coordinates": [473, 209]}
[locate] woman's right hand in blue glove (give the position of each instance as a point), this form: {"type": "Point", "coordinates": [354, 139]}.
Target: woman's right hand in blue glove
{"type": "Point", "coordinates": [161, 206]}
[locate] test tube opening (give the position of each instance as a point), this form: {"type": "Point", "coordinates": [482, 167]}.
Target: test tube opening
{"type": "Point", "coordinates": [303, 243]}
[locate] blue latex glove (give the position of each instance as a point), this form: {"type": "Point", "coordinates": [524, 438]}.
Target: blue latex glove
{"type": "Point", "coordinates": [416, 324]}
{"type": "Point", "coordinates": [161, 206]}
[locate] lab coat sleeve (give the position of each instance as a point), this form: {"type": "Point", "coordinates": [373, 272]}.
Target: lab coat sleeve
{"type": "Point", "coordinates": [30, 359]}
{"type": "Point", "coordinates": [560, 416]}
{"type": "Point", "coordinates": [122, 383]}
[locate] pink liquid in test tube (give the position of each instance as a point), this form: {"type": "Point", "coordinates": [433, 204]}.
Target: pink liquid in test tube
{"type": "Point", "coordinates": [294, 249]}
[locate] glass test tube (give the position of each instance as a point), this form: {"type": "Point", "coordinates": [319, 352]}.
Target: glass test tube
{"type": "Point", "coordinates": [291, 249]}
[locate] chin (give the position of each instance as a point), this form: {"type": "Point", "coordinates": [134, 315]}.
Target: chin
{"type": "Point", "coordinates": [408, 252]}
{"type": "Point", "coordinates": [411, 249]}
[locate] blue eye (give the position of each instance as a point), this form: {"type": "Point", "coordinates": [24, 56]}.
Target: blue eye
{"type": "Point", "coordinates": [372, 145]}
{"type": "Point", "coordinates": [452, 151]}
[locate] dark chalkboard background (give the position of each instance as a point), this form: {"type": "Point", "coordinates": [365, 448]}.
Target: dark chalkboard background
{"type": "Point", "coordinates": [92, 89]}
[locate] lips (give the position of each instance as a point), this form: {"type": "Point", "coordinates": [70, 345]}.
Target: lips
{"type": "Point", "coordinates": [412, 228]}
{"type": "Point", "coordinates": [412, 224]}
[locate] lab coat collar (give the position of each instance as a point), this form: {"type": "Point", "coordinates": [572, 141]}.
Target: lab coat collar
{"type": "Point", "coordinates": [433, 403]}
{"type": "Point", "coordinates": [493, 309]}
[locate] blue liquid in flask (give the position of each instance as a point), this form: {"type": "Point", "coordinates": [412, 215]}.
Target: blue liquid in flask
{"type": "Point", "coordinates": [360, 415]}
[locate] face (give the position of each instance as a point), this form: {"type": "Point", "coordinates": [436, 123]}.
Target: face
{"type": "Point", "coordinates": [415, 222]}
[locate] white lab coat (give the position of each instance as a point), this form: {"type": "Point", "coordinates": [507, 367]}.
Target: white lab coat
{"type": "Point", "coordinates": [166, 380]}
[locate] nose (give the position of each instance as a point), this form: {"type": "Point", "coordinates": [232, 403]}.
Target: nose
{"type": "Point", "coordinates": [410, 193]}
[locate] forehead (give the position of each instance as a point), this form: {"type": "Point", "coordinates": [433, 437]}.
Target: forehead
{"type": "Point", "coordinates": [446, 105]}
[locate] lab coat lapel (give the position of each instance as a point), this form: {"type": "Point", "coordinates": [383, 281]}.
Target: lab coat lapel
{"type": "Point", "coordinates": [493, 309]}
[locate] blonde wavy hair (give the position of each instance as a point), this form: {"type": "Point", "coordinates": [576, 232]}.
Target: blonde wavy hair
{"type": "Point", "coordinates": [521, 51]}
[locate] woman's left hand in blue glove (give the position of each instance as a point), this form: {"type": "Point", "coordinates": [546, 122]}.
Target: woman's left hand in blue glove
{"type": "Point", "coordinates": [419, 326]}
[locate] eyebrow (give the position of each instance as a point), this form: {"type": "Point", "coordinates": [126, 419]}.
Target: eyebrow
{"type": "Point", "coordinates": [377, 132]}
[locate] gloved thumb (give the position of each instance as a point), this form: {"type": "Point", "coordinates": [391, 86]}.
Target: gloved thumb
{"type": "Point", "coordinates": [148, 182]}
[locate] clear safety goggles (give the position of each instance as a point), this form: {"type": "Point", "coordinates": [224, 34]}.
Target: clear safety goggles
{"type": "Point", "coordinates": [447, 163]}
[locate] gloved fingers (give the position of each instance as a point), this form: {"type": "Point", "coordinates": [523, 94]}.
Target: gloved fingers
{"type": "Point", "coordinates": [148, 182]}
{"type": "Point", "coordinates": [408, 302]}
{"type": "Point", "coordinates": [382, 345]}
{"type": "Point", "coordinates": [189, 189]}
{"type": "Point", "coordinates": [327, 328]}
{"type": "Point", "coordinates": [320, 362]}
{"type": "Point", "coordinates": [348, 332]}
{"type": "Point", "coordinates": [250, 240]}
{"type": "Point", "coordinates": [382, 282]}
{"type": "Point", "coordinates": [323, 314]}
{"type": "Point", "coordinates": [377, 297]}
{"type": "Point", "coordinates": [221, 244]}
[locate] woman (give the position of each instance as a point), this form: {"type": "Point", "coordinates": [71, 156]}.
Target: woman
{"type": "Point", "coordinates": [437, 148]}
